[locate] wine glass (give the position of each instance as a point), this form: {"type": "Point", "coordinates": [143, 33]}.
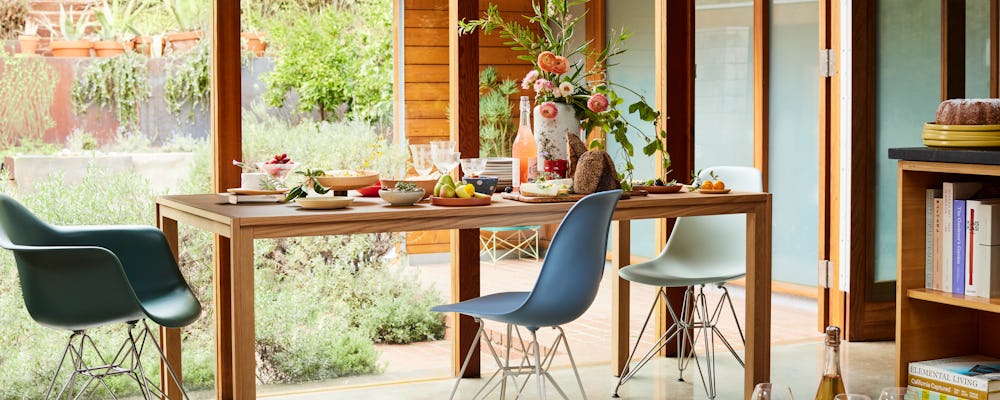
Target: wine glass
{"type": "Point", "coordinates": [422, 161]}
{"type": "Point", "coordinates": [473, 166]}
{"type": "Point", "coordinates": [897, 393]}
{"type": "Point", "coordinates": [771, 391]}
{"type": "Point", "coordinates": [849, 396]}
{"type": "Point", "coordinates": [444, 156]}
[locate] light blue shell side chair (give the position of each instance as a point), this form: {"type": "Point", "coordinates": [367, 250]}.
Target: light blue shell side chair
{"type": "Point", "coordinates": [77, 278]}
{"type": "Point", "coordinates": [567, 285]}
{"type": "Point", "coordinates": [684, 263]}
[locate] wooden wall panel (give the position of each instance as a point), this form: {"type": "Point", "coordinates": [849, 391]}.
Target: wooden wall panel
{"type": "Point", "coordinates": [426, 81]}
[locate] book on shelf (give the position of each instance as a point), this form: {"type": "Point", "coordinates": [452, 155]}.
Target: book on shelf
{"type": "Point", "coordinates": [951, 191]}
{"type": "Point", "coordinates": [932, 194]}
{"type": "Point", "coordinates": [937, 261]}
{"type": "Point", "coordinates": [983, 259]}
{"type": "Point", "coordinates": [254, 198]}
{"type": "Point", "coordinates": [959, 247]}
{"type": "Point", "coordinates": [925, 394]}
{"type": "Point", "coordinates": [974, 377]}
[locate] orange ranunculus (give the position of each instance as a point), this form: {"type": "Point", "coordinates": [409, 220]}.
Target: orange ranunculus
{"type": "Point", "coordinates": [547, 61]}
{"type": "Point", "coordinates": [561, 66]}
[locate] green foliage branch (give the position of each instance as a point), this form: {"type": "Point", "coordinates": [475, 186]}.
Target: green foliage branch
{"type": "Point", "coordinates": [188, 80]}
{"type": "Point", "coordinates": [27, 89]}
{"type": "Point", "coordinates": [496, 122]}
{"type": "Point", "coordinates": [119, 83]}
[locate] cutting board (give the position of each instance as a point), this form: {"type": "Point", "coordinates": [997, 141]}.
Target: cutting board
{"type": "Point", "coordinates": [542, 199]}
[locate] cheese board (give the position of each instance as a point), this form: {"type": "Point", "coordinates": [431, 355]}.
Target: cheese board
{"type": "Point", "coordinates": [542, 199]}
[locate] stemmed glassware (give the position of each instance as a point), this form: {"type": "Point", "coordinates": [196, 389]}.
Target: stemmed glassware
{"type": "Point", "coordinates": [897, 393]}
{"type": "Point", "coordinates": [473, 166]}
{"type": "Point", "coordinates": [843, 396]}
{"type": "Point", "coordinates": [771, 391]}
{"type": "Point", "coordinates": [444, 155]}
{"type": "Point", "coordinates": [422, 159]}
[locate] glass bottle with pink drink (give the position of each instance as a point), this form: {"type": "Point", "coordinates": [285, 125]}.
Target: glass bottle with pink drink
{"type": "Point", "coordinates": [525, 151]}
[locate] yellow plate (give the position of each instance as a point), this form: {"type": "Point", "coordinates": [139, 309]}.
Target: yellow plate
{"type": "Point", "coordinates": [962, 143]}
{"type": "Point", "coordinates": [970, 133]}
{"type": "Point", "coordinates": [938, 135]}
{"type": "Point", "coordinates": [962, 127]}
{"type": "Point", "coordinates": [347, 180]}
{"type": "Point", "coordinates": [324, 202]}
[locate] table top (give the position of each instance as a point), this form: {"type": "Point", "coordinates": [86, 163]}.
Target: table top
{"type": "Point", "coordinates": [369, 214]}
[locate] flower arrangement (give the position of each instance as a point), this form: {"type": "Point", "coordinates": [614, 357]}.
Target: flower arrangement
{"type": "Point", "coordinates": [560, 75]}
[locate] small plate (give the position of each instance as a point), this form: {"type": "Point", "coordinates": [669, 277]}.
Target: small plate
{"type": "Point", "coordinates": [713, 191]}
{"type": "Point", "coordinates": [659, 189]}
{"type": "Point", "coordinates": [255, 191]}
{"type": "Point", "coordinates": [324, 202]}
{"type": "Point", "coordinates": [980, 128]}
{"type": "Point", "coordinates": [456, 202]}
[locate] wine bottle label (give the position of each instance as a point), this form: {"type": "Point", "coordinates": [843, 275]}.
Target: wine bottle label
{"type": "Point", "coordinates": [516, 173]}
{"type": "Point", "coordinates": [532, 168]}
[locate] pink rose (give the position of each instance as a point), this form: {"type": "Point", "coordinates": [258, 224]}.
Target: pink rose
{"type": "Point", "coordinates": [542, 85]}
{"type": "Point", "coordinates": [598, 103]}
{"type": "Point", "coordinates": [548, 110]}
{"type": "Point", "coordinates": [529, 79]}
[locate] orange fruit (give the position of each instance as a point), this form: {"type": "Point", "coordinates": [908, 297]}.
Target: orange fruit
{"type": "Point", "coordinates": [707, 185]}
{"type": "Point", "coordinates": [719, 185]}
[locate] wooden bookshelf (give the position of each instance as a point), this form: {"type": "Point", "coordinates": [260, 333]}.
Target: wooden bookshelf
{"type": "Point", "coordinates": [933, 324]}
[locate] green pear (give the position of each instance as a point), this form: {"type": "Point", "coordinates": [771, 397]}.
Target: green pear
{"type": "Point", "coordinates": [448, 191]}
{"type": "Point", "coordinates": [446, 180]}
{"type": "Point", "coordinates": [437, 189]}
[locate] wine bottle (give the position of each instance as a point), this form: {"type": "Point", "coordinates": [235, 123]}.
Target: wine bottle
{"type": "Point", "coordinates": [832, 383]}
{"type": "Point", "coordinates": [525, 151]}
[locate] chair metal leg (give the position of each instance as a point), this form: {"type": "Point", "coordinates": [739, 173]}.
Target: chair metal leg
{"type": "Point", "coordinates": [479, 335]}
{"type": "Point", "coordinates": [572, 361]}
{"type": "Point", "coordinates": [538, 364]}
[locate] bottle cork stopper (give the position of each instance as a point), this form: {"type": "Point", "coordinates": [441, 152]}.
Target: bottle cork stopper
{"type": "Point", "coordinates": [832, 336]}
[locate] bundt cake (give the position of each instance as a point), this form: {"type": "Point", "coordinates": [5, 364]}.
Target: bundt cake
{"type": "Point", "coordinates": [969, 112]}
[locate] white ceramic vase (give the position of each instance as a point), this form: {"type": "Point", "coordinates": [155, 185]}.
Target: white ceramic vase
{"type": "Point", "coordinates": [550, 133]}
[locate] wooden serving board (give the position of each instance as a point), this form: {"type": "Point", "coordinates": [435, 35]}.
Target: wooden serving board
{"type": "Point", "coordinates": [542, 199]}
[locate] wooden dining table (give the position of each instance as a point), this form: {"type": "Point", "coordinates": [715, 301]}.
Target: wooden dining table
{"type": "Point", "coordinates": [237, 226]}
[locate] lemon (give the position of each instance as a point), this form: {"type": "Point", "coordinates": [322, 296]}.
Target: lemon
{"type": "Point", "coordinates": [464, 192]}
{"type": "Point", "coordinates": [480, 195]}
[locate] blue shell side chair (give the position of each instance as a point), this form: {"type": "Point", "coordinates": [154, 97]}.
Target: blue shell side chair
{"type": "Point", "coordinates": [566, 286]}
{"type": "Point", "coordinates": [683, 263]}
{"type": "Point", "coordinates": [77, 278]}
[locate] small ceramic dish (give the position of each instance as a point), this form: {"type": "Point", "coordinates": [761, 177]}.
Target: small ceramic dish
{"type": "Point", "coordinates": [483, 184]}
{"type": "Point", "coordinates": [324, 202]}
{"type": "Point", "coordinates": [398, 198]}
{"type": "Point", "coordinates": [426, 183]}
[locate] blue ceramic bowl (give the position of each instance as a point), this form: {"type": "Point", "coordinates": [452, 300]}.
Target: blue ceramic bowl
{"type": "Point", "coordinates": [483, 184]}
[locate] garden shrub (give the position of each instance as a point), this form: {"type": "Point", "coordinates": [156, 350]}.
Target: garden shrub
{"type": "Point", "coordinates": [118, 83]}
{"type": "Point", "coordinates": [337, 60]}
{"type": "Point", "coordinates": [27, 89]}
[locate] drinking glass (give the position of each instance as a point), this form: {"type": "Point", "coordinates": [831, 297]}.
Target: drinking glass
{"type": "Point", "coordinates": [473, 166]}
{"type": "Point", "coordinates": [843, 396]}
{"type": "Point", "coordinates": [422, 161]}
{"type": "Point", "coordinates": [771, 391]}
{"type": "Point", "coordinates": [444, 155]}
{"type": "Point", "coordinates": [897, 393]}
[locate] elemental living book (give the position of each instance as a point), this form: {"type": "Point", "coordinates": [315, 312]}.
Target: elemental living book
{"type": "Point", "coordinates": [969, 377]}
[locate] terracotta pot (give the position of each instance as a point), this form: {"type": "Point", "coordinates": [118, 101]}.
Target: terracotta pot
{"type": "Point", "coordinates": [71, 48]}
{"type": "Point", "coordinates": [145, 44]}
{"type": "Point", "coordinates": [28, 44]}
{"type": "Point", "coordinates": [255, 42]}
{"type": "Point", "coordinates": [111, 48]}
{"type": "Point", "coordinates": [183, 41]}
{"type": "Point", "coordinates": [557, 167]}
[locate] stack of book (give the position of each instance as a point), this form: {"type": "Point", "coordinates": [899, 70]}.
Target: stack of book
{"type": "Point", "coordinates": [962, 239]}
{"type": "Point", "coordinates": [968, 377]}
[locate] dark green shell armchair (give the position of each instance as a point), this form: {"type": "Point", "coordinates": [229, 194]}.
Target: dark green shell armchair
{"type": "Point", "coordinates": [80, 277]}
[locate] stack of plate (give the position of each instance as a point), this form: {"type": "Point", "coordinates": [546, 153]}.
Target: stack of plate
{"type": "Point", "coordinates": [961, 135]}
{"type": "Point", "coordinates": [500, 167]}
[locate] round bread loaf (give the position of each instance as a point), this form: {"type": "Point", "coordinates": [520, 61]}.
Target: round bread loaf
{"type": "Point", "coordinates": [969, 112]}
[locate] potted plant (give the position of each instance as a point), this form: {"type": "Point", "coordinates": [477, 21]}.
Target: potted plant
{"type": "Point", "coordinates": [254, 13]}
{"type": "Point", "coordinates": [189, 16]}
{"type": "Point", "coordinates": [116, 18]}
{"type": "Point", "coordinates": [28, 39]}
{"type": "Point", "coordinates": [72, 40]}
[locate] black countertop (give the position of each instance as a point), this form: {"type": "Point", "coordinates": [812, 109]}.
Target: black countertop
{"type": "Point", "coordinates": [962, 156]}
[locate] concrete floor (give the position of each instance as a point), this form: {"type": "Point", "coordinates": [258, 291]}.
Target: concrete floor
{"type": "Point", "coordinates": [868, 367]}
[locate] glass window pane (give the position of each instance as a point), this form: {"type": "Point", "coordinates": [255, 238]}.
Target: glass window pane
{"type": "Point", "coordinates": [977, 49]}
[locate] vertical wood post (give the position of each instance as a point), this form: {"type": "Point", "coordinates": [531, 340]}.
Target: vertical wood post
{"type": "Point", "coordinates": [761, 84]}
{"type": "Point", "coordinates": [952, 49]}
{"type": "Point", "coordinates": [463, 71]}
{"type": "Point", "coordinates": [620, 255]}
{"type": "Point", "coordinates": [170, 338]}
{"type": "Point", "coordinates": [994, 48]}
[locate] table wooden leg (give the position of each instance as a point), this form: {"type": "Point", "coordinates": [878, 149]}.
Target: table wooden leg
{"type": "Point", "coordinates": [170, 339]}
{"type": "Point", "coordinates": [758, 306]}
{"type": "Point", "coordinates": [620, 257]}
{"type": "Point", "coordinates": [222, 297]}
{"type": "Point", "coordinates": [242, 316]}
{"type": "Point", "coordinates": [464, 286]}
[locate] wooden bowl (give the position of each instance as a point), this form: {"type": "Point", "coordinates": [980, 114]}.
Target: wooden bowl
{"type": "Point", "coordinates": [347, 179]}
{"type": "Point", "coordinates": [324, 202]}
{"type": "Point", "coordinates": [425, 183]}
{"type": "Point", "coordinates": [659, 189]}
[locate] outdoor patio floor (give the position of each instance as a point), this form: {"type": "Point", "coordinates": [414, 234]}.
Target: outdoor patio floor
{"type": "Point", "coordinates": [423, 367]}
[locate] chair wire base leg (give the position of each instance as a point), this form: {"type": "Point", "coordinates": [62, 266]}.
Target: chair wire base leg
{"type": "Point", "coordinates": [677, 330]}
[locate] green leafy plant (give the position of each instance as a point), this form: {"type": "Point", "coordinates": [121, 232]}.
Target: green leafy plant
{"type": "Point", "coordinates": [189, 15]}
{"type": "Point", "coordinates": [118, 83]}
{"type": "Point", "coordinates": [27, 89]}
{"type": "Point", "coordinates": [188, 81]}
{"type": "Point", "coordinates": [69, 28]}
{"type": "Point", "coordinates": [338, 62]}
{"type": "Point", "coordinates": [496, 122]}
{"type": "Point", "coordinates": [117, 18]}
{"type": "Point", "coordinates": [13, 14]}
{"type": "Point", "coordinates": [557, 80]}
